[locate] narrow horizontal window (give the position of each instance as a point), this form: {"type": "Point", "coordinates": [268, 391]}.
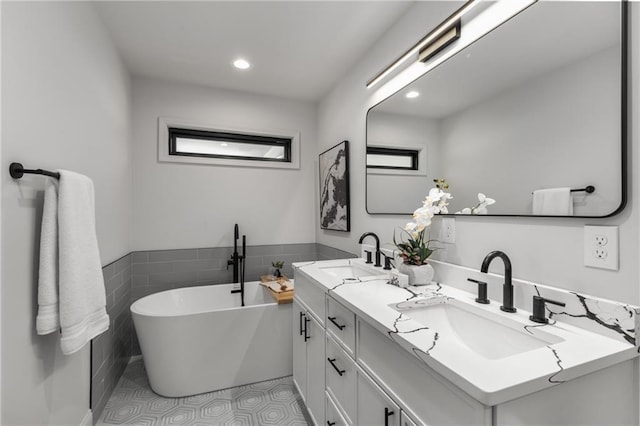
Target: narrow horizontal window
{"type": "Point", "coordinates": [223, 145]}
{"type": "Point", "coordinates": [193, 142]}
{"type": "Point", "coordinates": [392, 158]}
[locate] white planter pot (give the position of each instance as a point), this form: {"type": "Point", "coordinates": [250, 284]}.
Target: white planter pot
{"type": "Point", "coordinates": [418, 275]}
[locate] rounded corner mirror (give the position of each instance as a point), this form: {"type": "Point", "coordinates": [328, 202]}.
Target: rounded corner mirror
{"type": "Point", "coordinates": [537, 104]}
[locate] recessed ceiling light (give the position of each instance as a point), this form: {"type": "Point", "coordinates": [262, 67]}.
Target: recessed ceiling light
{"type": "Point", "coordinates": [241, 64]}
{"type": "Point", "coordinates": [412, 94]}
{"type": "Point", "coordinates": [224, 144]}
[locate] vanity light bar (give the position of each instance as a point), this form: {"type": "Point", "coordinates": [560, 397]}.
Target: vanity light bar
{"type": "Point", "coordinates": [443, 41]}
{"type": "Point", "coordinates": [444, 27]}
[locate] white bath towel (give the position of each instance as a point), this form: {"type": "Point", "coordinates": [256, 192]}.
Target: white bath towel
{"type": "Point", "coordinates": [553, 202]}
{"type": "Point", "coordinates": [48, 319]}
{"type": "Point", "coordinates": [80, 283]}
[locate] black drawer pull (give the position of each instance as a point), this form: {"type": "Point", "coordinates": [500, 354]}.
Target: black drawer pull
{"type": "Point", "coordinates": [387, 414]}
{"type": "Point", "coordinates": [306, 323]}
{"type": "Point", "coordinates": [301, 316]}
{"type": "Point", "coordinates": [330, 423]}
{"type": "Point", "coordinates": [333, 320]}
{"type": "Point", "coordinates": [335, 367]}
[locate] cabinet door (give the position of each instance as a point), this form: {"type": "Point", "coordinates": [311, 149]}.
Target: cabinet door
{"type": "Point", "coordinates": [299, 349]}
{"type": "Point", "coordinates": [315, 370]}
{"type": "Point", "coordinates": [374, 407]}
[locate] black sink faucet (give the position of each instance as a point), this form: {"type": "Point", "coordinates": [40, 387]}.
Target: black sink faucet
{"type": "Point", "coordinates": [507, 288]}
{"type": "Point", "coordinates": [367, 234]}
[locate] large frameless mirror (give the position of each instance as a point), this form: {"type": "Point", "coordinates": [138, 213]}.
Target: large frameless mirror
{"type": "Point", "coordinates": [535, 106]}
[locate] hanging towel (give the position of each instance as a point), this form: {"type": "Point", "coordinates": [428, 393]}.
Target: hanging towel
{"type": "Point", "coordinates": [80, 283]}
{"type": "Point", "coordinates": [553, 202]}
{"type": "Point", "coordinates": [48, 319]}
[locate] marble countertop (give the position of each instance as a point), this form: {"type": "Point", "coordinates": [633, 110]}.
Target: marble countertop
{"type": "Point", "coordinates": [576, 351]}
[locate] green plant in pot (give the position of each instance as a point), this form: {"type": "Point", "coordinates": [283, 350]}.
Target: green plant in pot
{"type": "Point", "coordinates": [279, 264]}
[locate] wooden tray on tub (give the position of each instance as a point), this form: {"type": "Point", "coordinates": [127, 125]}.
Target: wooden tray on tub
{"type": "Point", "coordinates": [280, 288]}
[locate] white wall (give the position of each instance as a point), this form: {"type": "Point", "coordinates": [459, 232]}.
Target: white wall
{"type": "Point", "coordinates": [65, 105]}
{"type": "Point", "coordinates": [548, 251]}
{"type": "Point", "coordinates": [191, 205]}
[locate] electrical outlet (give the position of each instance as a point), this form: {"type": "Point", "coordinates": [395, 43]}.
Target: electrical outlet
{"type": "Point", "coordinates": [601, 240]}
{"type": "Point", "coordinates": [448, 230]}
{"type": "Point", "coordinates": [601, 247]}
{"type": "Point", "coordinates": [600, 253]}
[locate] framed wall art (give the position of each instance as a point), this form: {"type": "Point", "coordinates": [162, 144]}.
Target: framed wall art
{"type": "Point", "coordinates": [334, 188]}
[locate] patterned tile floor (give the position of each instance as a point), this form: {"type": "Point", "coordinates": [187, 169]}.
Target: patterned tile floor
{"type": "Point", "coordinates": [274, 402]}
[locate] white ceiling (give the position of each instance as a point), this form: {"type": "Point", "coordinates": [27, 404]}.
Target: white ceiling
{"type": "Point", "coordinates": [298, 49]}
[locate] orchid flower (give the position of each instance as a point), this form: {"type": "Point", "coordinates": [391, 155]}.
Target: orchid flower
{"type": "Point", "coordinates": [481, 207]}
{"type": "Point", "coordinates": [415, 250]}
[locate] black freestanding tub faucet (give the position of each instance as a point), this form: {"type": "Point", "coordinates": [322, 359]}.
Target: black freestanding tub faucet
{"type": "Point", "coordinates": [507, 288]}
{"type": "Point", "coordinates": [234, 256]}
{"type": "Point", "coordinates": [238, 262]}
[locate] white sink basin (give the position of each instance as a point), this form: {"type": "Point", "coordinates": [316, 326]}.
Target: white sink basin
{"type": "Point", "coordinates": [490, 335]}
{"type": "Point", "coordinates": [351, 271]}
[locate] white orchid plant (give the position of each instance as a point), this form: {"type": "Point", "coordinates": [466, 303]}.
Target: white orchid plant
{"type": "Point", "coordinates": [415, 250]}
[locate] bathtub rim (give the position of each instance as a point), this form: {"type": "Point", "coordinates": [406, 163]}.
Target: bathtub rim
{"type": "Point", "coordinates": [135, 311]}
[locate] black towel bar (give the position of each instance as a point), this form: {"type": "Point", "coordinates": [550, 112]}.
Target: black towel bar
{"type": "Point", "coordinates": [589, 189]}
{"type": "Point", "coordinates": [16, 170]}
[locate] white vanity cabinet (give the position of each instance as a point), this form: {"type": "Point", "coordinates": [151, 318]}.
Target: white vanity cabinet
{"type": "Point", "coordinates": [309, 346]}
{"type": "Point", "coordinates": [353, 366]}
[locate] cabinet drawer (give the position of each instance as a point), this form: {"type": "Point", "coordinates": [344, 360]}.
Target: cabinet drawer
{"type": "Point", "coordinates": [341, 322]}
{"type": "Point", "coordinates": [340, 377]}
{"type": "Point", "coordinates": [429, 397]}
{"type": "Point", "coordinates": [374, 407]}
{"type": "Point", "coordinates": [334, 417]}
{"type": "Point", "coordinates": [311, 295]}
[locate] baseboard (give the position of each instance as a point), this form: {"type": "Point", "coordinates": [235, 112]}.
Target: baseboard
{"type": "Point", "coordinates": [88, 419]}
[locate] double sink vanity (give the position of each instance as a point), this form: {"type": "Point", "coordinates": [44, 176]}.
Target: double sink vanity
{"type": "Point", "coordinates": [367, 352]}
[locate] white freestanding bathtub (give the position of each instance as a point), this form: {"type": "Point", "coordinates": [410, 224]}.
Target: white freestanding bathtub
{"type": "Point", "coordinates": [199, 339]}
